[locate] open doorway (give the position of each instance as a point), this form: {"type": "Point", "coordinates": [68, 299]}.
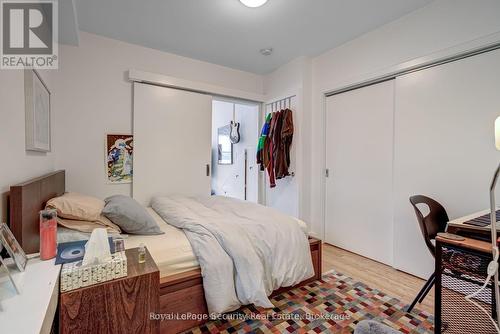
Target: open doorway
{"type": "Point", "coordinates": [235, 131]}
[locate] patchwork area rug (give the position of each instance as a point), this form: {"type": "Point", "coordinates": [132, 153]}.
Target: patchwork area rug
{"type": "Point", "coordinates": [334, 304]}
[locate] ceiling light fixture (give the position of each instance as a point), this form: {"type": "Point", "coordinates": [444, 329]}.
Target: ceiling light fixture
{"type": "Point", "coordinates": [253, 3]}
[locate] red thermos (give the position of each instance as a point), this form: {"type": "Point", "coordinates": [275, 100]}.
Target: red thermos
{"type": "Point", "coordinates": [48, 234]}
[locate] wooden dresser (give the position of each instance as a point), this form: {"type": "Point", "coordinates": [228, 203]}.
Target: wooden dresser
{"type": "Point", "coordinates": [118, 306]}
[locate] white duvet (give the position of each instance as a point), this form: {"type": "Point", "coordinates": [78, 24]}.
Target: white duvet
{"type": "Point", "coordinates": [245, 250]}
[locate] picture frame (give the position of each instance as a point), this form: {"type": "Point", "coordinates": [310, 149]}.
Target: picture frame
{"type": "Point", "coordinates": [4, 266]}
{"type": "Point", "coordinates": [118, 157]}
{"type": "Point", "coordinates": [10, 243]}
{"type": "Point", "coordinates": [38, 113]}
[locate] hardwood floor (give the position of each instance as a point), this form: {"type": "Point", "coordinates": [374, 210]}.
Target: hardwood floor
{"type": "Point", "coordinates": [377, 275]}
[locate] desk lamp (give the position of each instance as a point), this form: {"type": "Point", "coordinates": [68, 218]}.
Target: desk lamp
{"type": "Point", "coordinates": [493, 220]}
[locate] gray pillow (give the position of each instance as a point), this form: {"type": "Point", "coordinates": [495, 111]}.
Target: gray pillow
{"type": "Point", "coordinates": [132, 217]}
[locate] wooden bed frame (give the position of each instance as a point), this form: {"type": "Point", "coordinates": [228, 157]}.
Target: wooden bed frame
{"type": "Point", "coordinates": [25, 202]}
{"type": "Point", "coordinates": [179, 294]}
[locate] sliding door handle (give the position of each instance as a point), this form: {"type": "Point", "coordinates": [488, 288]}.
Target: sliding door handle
{"type": "Point", "coordinates": [208, 169]}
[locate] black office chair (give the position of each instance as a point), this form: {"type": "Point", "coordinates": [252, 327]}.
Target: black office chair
{"type": "Point", "coordinates": [430, 226]}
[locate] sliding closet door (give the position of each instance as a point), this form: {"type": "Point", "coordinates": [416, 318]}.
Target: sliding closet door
{"type": "Point", "coordinates": [444, 146]}
{"type": "Point", "coordinates": [359, 144]}
{"type": "Point", "coordinates": [172, 142]}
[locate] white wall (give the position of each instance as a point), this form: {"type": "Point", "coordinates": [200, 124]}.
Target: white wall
{"type": "Point", "coordinates": [17, 164]}
{"type": "Point", "coordinates": [95, 98]}
{"type": "Point", "coordinates": [433, 29]}
{"type": "Point", "coordinates": [291, 195]}
{"type": "Point", "coordinates": [436, 27]}
{"type": "Point", "coordinates": [444, 146]}
{"type": "Point", "coordinates": [229, 180]}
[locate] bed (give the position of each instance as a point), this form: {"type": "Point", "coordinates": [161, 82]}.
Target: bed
{"type": "Point", "coordinates": [181, 283]}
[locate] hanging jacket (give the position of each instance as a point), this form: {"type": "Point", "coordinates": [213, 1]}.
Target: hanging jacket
{"type": "Point", "coordinates": [262, 140]}
{"type": "Point", "coordinates": [282, 161]}
{"type": "Point", "coordinates": [275, 141]}
{"type": "Point", "coordinates": [269, 149]}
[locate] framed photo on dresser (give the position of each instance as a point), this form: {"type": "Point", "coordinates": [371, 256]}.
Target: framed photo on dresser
{"type": "Point", "coordinates": [9, 242]}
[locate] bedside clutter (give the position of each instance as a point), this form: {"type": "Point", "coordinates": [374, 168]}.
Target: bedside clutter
{"type": "Point", "coordinates": [74, 276]}
{"type": "Point", "coordinates": [97, 265]}
{"type": "Point", "coordinates": [122, 305]}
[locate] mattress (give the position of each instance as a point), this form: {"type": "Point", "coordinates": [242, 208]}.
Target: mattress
{"type": "Point", "coordinates": [171, 251]}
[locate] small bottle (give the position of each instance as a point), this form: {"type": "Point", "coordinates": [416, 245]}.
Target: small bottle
{"type": "Point", "coordinates": [142, 253]}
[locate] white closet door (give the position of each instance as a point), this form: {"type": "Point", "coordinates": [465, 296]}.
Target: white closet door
{"type": "Point", "coordinates": [444, 146]}
{"type": "Point", "coordinates": [172, 142]}
{"type": "Point", "coordinates": [359, 155]}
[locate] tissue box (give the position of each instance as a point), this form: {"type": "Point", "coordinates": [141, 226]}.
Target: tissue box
{"type": "Point", "coordinates": [74, 275]}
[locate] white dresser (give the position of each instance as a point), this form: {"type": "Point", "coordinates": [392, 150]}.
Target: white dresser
{"type": "Point", "coordinates": [33, 309]}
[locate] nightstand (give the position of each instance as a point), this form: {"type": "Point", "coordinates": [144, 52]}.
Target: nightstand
{"type": "Point", "coordinates": [122, 305]}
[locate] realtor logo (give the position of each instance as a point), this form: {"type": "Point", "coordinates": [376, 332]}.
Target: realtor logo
{"type": "Point", "coordinates": [29, 34]}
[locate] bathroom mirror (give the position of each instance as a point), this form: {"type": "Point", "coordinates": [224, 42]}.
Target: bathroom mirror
{"type": "Point", "coordinates": [224, 145]}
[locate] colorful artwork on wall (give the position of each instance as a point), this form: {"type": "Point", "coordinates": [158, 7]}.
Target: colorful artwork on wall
{"type": "Point", "coordinates": [119, 156]}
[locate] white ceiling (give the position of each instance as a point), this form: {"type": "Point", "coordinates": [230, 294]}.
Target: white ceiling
{"type": "Point", "coordinates": [227, 33]}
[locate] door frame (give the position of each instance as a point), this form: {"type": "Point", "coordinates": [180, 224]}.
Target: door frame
{"type": "Point", "coordinates": [260, 118]}
{"type": "Point", "coordinates": [218, 92]}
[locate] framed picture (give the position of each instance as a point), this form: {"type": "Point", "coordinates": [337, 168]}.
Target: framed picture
{"type": "Point", "coordinates": [10, 243]}
{"type": "Point", "coordinates": [37, 109]}
{"type": "Point", "coordinates": [119, 157]}
{"type": "Point", "coordinates": [4, 266]}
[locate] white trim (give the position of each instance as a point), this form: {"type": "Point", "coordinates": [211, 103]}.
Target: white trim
{"type": "Point", "coordinates": [323, 170]}
{"type": "Point", "coordinates": [482, 42]}
{"type": "Point", "coordinates": [194, 86]}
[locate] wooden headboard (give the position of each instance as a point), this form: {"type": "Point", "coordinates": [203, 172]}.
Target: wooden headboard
{"type": "Point", "coordinates": [26, 201]}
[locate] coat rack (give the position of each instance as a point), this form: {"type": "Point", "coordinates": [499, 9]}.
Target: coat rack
{"type": "Point", "coordinates": [281, 103]}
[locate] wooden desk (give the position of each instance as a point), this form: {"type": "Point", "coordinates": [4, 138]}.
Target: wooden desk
{"type": "Point", "coordinates": [468, 243]}
{"type": "Point", "coordinates": [457, 226]}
